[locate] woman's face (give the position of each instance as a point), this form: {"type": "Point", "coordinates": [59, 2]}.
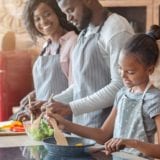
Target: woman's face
{"type": "Point", "coordinates": [45, 20]}
{"type": "Point", "coordinates": [133, 73]}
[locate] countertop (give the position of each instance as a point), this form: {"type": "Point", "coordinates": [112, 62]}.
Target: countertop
{"type": "Point", "coordinates": [22, 146]}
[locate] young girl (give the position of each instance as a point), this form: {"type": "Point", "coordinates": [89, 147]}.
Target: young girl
{"type": "Point", "coordinates": [51, 70]}
{"type": "Point", "coordinates": [135, 116]}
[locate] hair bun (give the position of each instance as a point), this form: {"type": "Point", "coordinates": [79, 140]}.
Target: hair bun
{"type": "Point", "coordinates": [154, 32]}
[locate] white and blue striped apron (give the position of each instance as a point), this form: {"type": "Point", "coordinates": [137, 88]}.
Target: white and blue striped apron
{"type": "Point", "coordinates": [48, 76]}
{"type": "Point", "coordinates": [90, 74]}
{"type": "Point", "coordinates": [129, 121]}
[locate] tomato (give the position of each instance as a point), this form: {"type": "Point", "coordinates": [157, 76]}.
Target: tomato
{"type": "Point", "coordinates": [17, 129]}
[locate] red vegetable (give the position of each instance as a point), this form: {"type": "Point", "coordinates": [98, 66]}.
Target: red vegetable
{"type": "Point", "coordinates": [17, 129]}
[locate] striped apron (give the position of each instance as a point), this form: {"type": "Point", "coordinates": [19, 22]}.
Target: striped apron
{"type": "Point", "coordinates": [129, 122]}
{"type": "Point", "coordinates": [48, 76]}
{"type": "Point", "coordinates": [90, 74]}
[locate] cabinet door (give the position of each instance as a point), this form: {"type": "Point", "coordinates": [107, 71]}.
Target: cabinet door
{"type": "Point", "coordinates": [139, 13]}
{"type": "Point", "coordinates": [15, 80]}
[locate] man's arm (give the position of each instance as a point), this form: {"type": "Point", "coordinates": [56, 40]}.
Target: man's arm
{"type": "Point", "coordinates": [105, 96]}
{"type": "Point", "coordinates": [65, 96]}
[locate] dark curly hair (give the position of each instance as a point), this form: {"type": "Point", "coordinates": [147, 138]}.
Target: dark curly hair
{"type": "Point", "coordinates": [29, 9]}
{"type": "Point", "coordinates": [144, 47]}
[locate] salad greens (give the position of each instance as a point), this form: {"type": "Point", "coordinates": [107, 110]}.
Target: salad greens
{"type": "Point", "coordinates": [42, 132]}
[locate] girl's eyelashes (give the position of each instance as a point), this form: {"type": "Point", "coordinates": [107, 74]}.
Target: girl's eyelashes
{"type": "Point", "coordinates": [120, 70]}
{"type": "Point", "coordinates": [130, 72]}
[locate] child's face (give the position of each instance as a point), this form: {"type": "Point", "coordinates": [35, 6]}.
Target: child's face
{"type": "Point", "coordinates": [133, 73]}
{"type": "Point", "coordinates": [45, 20]}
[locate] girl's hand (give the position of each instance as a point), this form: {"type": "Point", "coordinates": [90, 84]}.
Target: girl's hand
{"type": "Point", "coordinates": [114, 144]}
{"type": "Point", "coordinates": [60, 120]}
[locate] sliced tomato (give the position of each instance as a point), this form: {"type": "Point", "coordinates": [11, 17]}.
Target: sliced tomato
{"type": "Point", "coordinates": [17, 129]}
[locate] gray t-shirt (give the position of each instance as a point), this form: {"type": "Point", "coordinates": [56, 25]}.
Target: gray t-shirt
{"type": "Point", "coordinates": [151, 106]}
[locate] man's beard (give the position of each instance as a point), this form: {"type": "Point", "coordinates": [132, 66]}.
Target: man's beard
{"type": "Point", "coordinates": [86, 19]}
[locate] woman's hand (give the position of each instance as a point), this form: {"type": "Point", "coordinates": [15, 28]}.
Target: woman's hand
{"type": "Point", "coordinates": [35, 108]}
{"type": "Point", "coordinates": [23, 116]}
{"type": "Point", "coordinates": [114, 144]}
{"type": "Point", "coordinates": [25, 102]}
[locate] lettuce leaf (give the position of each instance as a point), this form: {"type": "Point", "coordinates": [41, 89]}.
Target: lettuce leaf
{"type": "Point", "coordinates": [42, 132]}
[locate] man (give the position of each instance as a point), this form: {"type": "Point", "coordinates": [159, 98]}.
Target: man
{"type": "Point", "coordinates": [95, 62]}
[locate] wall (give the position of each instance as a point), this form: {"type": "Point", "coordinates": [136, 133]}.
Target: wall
{"type": "Point", "coordinates": [10, 20]}
{"type": "Point", "coordinates": [156, 75]}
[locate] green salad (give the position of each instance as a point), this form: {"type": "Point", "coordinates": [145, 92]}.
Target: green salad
{"type": "Point", "coordinates": [42, 132]}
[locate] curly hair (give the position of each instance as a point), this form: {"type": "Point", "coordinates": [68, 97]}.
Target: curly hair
{"type": "Point", "coordinates": [29, 9]}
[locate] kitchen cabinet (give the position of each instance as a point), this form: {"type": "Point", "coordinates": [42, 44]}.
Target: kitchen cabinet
{"type": "Point", "coordinates": [15, 80]}
{"type": "Point", "coordinates": [141, 14]}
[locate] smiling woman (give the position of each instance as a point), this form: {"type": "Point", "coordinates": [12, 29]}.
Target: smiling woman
{"type": "Point", "coordinates": [46, 21]}
{"type": "Point", "coordinates": [52, 69]}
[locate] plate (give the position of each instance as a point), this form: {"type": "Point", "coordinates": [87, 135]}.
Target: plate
{"type": "Point", "coordinates": [7, 132]}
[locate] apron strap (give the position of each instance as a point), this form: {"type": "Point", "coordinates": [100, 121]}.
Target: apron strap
{"type": "Point", "coordinates": [106, 15]}
{"type": "Point", "coordinates": [46, 46]}
{"type": "Point", "coordinates": [146, 89]}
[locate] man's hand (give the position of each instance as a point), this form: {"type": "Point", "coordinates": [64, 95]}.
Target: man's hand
{"type": "Point", "coordinates": [58, 108]}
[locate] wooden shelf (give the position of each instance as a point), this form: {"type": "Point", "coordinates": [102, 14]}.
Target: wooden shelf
{"type": "Point", "coordinates": [127, 4]}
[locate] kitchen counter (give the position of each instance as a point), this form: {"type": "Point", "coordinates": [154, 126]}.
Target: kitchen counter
{"type": "Point", "coordinates": [21, 147]}
{"type": "Point", "coordinates": [17, 141]}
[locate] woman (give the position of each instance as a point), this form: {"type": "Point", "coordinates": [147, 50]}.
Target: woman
{"type": "Point", "coordinates": [51, 71]}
